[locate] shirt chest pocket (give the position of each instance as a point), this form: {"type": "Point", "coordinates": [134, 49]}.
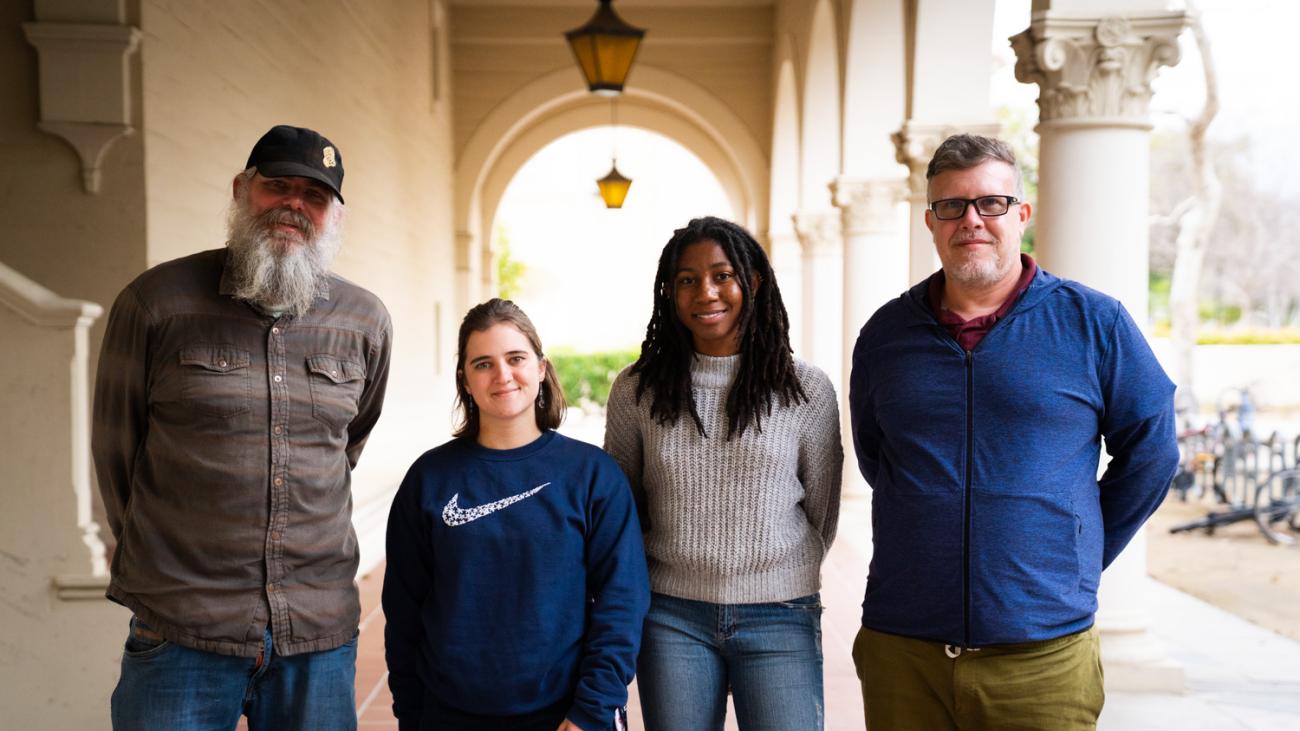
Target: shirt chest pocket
{"type": "Point", "coordinates": [215, 380]}
{"type": "Point", "coordinates": [336, 386]}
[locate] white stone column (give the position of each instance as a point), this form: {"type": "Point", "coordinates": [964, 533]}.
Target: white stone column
{"type": "Point", "coordinates": [819, 237]}
{"type": "Point", "coordinates": [1095, 78]}
{"type": "Point", "coordinates": [914, 145]}
{"type": "Point", "coordinates": [783, 250]}
{"type": "Point", "coordinates": [872, 216]}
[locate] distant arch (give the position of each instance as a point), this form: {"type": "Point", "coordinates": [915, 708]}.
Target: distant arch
{"type": "Point", "coordinates": [551, 107]}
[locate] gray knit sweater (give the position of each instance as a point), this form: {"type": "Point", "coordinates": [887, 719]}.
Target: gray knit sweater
{"type": "Point", "coordinates": [737, 521]}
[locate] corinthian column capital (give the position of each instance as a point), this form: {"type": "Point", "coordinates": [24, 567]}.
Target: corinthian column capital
{"type": "Point", "coordinates": [1096, 70]}
{"type": "Point", "coordinates": [867, 205]}
{"type": "Point", "coordinates": [915, 144]}
{"type": "Point", "coordinates": [818, 231]}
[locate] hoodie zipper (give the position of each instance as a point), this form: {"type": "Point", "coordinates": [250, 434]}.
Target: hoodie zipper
{"type": "Point", "coordinates": [966, 498]}
{"type": "Point", "coordinates": [968, 478]}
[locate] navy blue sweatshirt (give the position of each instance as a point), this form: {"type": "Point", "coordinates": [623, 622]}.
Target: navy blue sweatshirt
{"type": "Point", "coordinates": [515, 580]}
{"type": "Point", "coordinates": [990, 523]}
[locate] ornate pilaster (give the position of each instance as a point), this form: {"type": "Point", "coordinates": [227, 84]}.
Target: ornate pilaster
{"type": "Point", "coordinates": [1096, 70]}
{"type": "Point", "coordinates": [463, 254]}
{"type": "Point", "coordinates": [915, 144]}
{"type": "Point", "coordinates": [868, 205]}
{"type": "Point", "coordinates": [818, 231]}
{"type": "Point", "coordinates": [488, 268]}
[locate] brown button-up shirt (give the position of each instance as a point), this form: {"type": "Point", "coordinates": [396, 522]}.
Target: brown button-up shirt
{"type": "Point", "coordinates": [224, 440]}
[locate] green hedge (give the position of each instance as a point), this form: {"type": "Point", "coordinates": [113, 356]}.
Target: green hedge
{"type": "Point", "coordinates": [1239, 336]}
{"type": "Point", "coordinates": [589, 375]}
{"type": "Point", "coordinates": [1285, 336]}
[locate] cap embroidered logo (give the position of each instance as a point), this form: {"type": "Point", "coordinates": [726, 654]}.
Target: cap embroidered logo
{"type": "Point", "coordinates": [328, 160]}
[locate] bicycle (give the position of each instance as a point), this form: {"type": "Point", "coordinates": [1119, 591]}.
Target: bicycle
{"type": "Point", "coordinates": [1277, 504]}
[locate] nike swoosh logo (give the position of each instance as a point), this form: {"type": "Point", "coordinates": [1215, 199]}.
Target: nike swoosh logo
{"type": "Point", "coordinates": [454, 515]}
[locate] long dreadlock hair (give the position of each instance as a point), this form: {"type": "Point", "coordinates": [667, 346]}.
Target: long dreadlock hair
{"type": "Point", "coordinates": [766, 361]}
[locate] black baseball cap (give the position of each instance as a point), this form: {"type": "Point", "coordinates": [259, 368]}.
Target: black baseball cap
{"type": "Point", "coordinates": [299, 151]}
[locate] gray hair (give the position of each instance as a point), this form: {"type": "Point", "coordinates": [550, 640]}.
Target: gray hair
{"type": "Point", "coordinates": [964, 151]}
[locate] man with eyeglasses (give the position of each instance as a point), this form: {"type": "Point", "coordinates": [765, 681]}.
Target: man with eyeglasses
{"type": "Point", "coordinates": [979, 400]}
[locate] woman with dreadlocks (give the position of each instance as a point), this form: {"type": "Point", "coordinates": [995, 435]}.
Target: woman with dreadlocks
{"type": "Point", "coordinates": [732, 448]}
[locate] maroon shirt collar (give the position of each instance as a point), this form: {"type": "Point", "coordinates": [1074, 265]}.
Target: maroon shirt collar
{"type": "Point", "coordinates": [970, 332]}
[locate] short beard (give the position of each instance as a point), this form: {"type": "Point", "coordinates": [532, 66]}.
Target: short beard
{"type": "Point", "coordinates": [980, 273]}
{"type": "Point", "coordinates": [273, 271]}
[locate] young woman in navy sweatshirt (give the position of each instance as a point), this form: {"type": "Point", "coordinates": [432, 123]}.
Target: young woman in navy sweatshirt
{"type": "Point", "coordinates": [516, 584]}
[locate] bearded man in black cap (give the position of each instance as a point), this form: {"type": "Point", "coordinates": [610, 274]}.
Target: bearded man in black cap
{"type": "Point", "coordinates": [236, 390]}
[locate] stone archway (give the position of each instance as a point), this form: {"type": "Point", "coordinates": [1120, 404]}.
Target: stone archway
{"type": "Point", "coordinates": [550, 107]}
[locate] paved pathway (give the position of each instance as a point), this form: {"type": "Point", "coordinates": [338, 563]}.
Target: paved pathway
{"type": "Point", "coordinates": [1239, 676]}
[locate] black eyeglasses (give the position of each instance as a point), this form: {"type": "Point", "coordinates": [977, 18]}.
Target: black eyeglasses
{"type": "Point", "coordinates": [950, 209]}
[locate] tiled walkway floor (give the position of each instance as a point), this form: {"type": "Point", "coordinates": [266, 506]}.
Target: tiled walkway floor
{"type": "Point", "coordinates": [1239, 676]}
{"type": "Point", "coordinates": [844, 576]}
{"type": "Point", "coordinates": [374, 702]}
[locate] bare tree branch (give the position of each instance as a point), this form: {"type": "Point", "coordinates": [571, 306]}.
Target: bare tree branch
{"type": "Point", "coordinates": [1196, 219]}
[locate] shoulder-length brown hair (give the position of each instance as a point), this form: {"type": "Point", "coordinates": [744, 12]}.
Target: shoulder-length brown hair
{"type": "Point", "coordinates": [550, 405]}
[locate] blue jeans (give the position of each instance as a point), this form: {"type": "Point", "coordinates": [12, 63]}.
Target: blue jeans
{"type": "Point", "coordinates": [167, 686]}
{"type": "Point", "coordinates": [770, 655]}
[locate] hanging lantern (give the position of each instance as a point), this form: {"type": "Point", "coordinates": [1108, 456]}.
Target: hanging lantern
{"type": "Point", "coordinates": [605, 48]}
{"type": "Point", "coordinates": [614, 187]}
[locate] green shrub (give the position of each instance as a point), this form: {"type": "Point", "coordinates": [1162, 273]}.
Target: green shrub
{"type": "Point", "coordinates": [1284, 336]}
{"type": "Point", "coordinates": [589, 375]}
{"type": "Point", "coordinates": [1207, 336]}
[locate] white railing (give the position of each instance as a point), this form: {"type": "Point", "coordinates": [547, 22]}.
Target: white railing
{"type": "Point", "coordinates": [63, 638]}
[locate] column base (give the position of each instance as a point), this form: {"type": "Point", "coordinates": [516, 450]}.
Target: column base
{"type": "Point", "coordinates": [1135, 662]}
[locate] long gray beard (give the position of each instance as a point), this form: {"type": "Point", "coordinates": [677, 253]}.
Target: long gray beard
{"type": "Point", "coordinates": [269, 270]}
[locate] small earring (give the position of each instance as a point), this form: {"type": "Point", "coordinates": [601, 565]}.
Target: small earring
{"type": "Point", "coordinates": [541, 398]}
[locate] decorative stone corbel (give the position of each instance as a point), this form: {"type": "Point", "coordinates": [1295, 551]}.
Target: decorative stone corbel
{"type": "Point", "coordinates": [85, 86]}
{"type": "Point", "coordinates": [1096, 70]}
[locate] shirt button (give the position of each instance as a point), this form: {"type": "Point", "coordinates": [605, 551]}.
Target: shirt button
{"type": "Point", "coordinates": [277, 430]}
{"type": "Point", "coordinates": [334, 373]}
{"type": "Point", "coordinates": [277, 378]}
{"type": "Point", "coordinates": [275, 331]}
{"type": "Point", "coordinates": [221, 363]}
{"type": "Point", "coordinates": [278, 481]}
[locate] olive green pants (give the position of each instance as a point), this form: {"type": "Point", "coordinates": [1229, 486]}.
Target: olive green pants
{"type": "Point", "coordinates": [914, 685]}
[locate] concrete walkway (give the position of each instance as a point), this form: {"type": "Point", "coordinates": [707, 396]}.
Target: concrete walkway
{"type": "Point", "coordinates": [1239, 676]}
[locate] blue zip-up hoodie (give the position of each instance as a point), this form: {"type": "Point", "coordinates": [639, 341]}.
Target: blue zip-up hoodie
{"type": "Point", "coordinates": [990, 523]}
